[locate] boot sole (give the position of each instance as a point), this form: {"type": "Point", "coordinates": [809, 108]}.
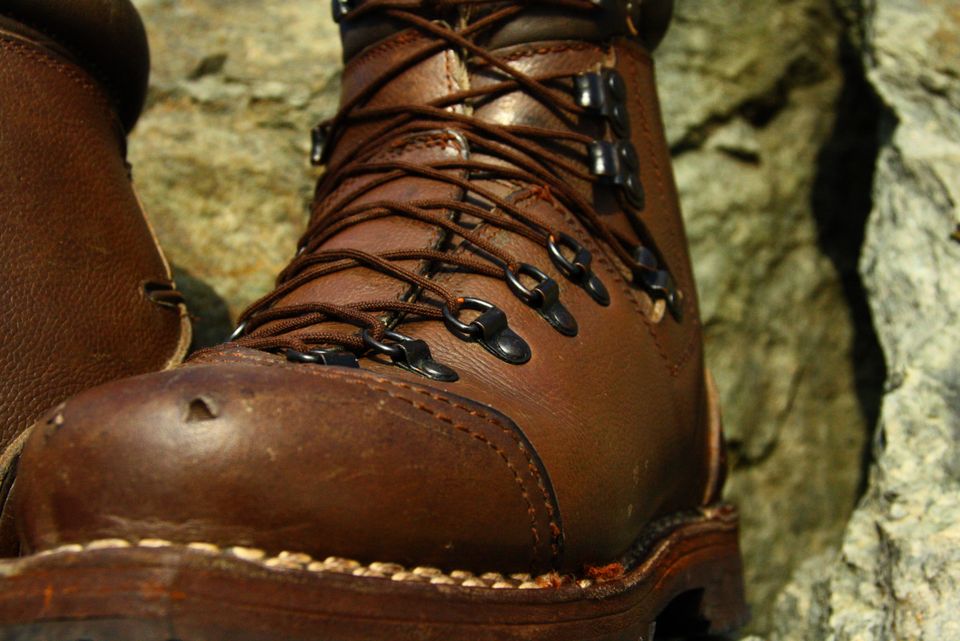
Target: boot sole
{"type": "Point", "coordinates": [687, 579]}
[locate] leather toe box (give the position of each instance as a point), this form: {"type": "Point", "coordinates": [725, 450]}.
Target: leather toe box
{"type": "Point", "coordinates": [326, 461]}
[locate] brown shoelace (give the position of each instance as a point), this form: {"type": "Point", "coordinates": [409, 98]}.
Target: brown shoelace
{"type": "Point", "coordinates": [518, 153]}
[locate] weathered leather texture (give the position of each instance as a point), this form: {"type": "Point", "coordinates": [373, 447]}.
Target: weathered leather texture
{"type": "Point", "coordinates": [106, 36]}
{"type": "Point", "coordinates": [75, 249]}
{"type": "Point", "coordinates": [441, 476]}
{"type": "Point", "coordinates": [558, 463]}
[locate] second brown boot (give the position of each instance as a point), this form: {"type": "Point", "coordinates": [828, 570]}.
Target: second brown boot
{"type": "Point", "coordinates": [474, 409]}
{"type": "Point", "coordinates": [87, 295]}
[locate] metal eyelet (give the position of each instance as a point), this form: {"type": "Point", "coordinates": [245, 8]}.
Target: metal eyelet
{"type": "Point", "coordinates": [341, 8]}
{"type": "Point", "coordinates": [544, 297]}
{"type": "Point", "coordinates": [591, 92]}
{"type": "Point", "coordinates": [327, 357]}
{"type": "Point", "coordinates": [616, 84]}
{"type": "Point", "coordinates": [620, 120]}
{"type": "Point", "coordinates": [490, 329]}
{"type": "Point", "coordinates": [656, 281]}
{"type": "Point", "coordinates": [579, 270]}
{"type": "Point", "coordinates": [604, 93]}
{"type": "Point", "coordinates": [604, 160]}
{"type": "Point", "coordinates": [628, 155]}
{"type": "Point", "coordinates": [238, 332]}
{"type": "Point", "coordinates": [633, 190]}
{"type": "Point", "coordinates": [645, 259]}
{"type": "Point", "coordinates": [661, 284]}
{"type": "Point", "coordinates": [619, 116]}
{"type": "Point", "coordinates": [412, 355]}
{"type": "Point", "coordinates": [617, 163]}
{"type": "Point", "coordinates": [319, 136]}
{"type": "Point", "coordinates": [613, 159]}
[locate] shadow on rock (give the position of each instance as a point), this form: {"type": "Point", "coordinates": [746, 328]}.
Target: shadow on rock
{"type": "Point", "coordinates": [209, 313]}
{"type": "Point", "coordinates": [842, 201]}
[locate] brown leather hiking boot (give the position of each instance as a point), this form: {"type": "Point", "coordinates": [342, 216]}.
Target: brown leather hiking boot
{"type": "Point", "coordinates": [474, 408]}
{"type": "Point", "coordinates": [88, 296]}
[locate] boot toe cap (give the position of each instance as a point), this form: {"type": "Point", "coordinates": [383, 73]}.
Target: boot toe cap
{"type": "Point", "coordinates": [323, 461]}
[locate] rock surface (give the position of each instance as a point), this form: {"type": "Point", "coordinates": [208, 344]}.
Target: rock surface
{"type": "Point", "coordinates": [897, 575]}
{"type": "Point", "coordinates": [220, 156]}
{"type": "Point", "coordinates": [750, 90]}
{"type": "Point", "coordinates": [749, 123]}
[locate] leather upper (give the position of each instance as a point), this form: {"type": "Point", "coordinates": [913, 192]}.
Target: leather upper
{"type": "Point", "coordinates": [76, 253]}
{"type": "Point", "coordinates": [106, 36]}
{"type": "Point", "coordinates": [554, 464]}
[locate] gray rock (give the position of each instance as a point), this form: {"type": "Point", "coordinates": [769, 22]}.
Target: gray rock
{"type": "Point", "coordinates": [221, 153]}
{"type": "Point", "coordinates": [750, 89]}
{"type": "Point", "coordinates": [898, 572]}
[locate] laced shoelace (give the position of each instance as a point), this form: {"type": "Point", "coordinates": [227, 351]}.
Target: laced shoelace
{"type": "Point", "coordinates": [517, 153]}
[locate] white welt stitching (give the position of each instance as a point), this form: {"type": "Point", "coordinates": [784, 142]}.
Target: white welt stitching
{"type": "Point", "coordinates": [336, 565]}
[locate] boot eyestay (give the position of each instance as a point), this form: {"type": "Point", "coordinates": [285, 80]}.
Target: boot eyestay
{"type": "Point", "coordinates": [579, 270]}
{"type": "Point", "coordinates": [658, 282]}
{"type": "Point", "coordinates": [412, 355]}
{"type": "Point", "coordinates": [490, 329]}
{"type": "Point", "coordinates": [330, 358]}
{"type": "Point", "coordinates": [544, 297]}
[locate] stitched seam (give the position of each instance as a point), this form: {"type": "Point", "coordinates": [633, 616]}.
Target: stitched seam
{"type": "Point", "coordinates": [487, 231]}
{"type": "Point", "coordinates": [49, 61]}
{"type": "Point", "coordinates": [657, 169]}
{"type": "Point", "coordinates": [677, 366]}
{"type": "Point", "coordinates": [719, 517]}
{"type": "Point", "coordinates": [77, 57]}
{"type": "Point", "coordinates": [531, 464]}
{"type": "Point", "coordinates": [401, 39]}
{"type": "Point", "coordinates": [687, 353]}
{"type": "Point", "coordinates": [531, 511]}
{"type": "Point", "coordinates": [366, 382]}
{"type": "Point", "coordinates": [539, 51]}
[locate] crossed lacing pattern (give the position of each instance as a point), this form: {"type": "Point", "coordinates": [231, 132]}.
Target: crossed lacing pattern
{"type": "Point", "coordinates": [268, 328]}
